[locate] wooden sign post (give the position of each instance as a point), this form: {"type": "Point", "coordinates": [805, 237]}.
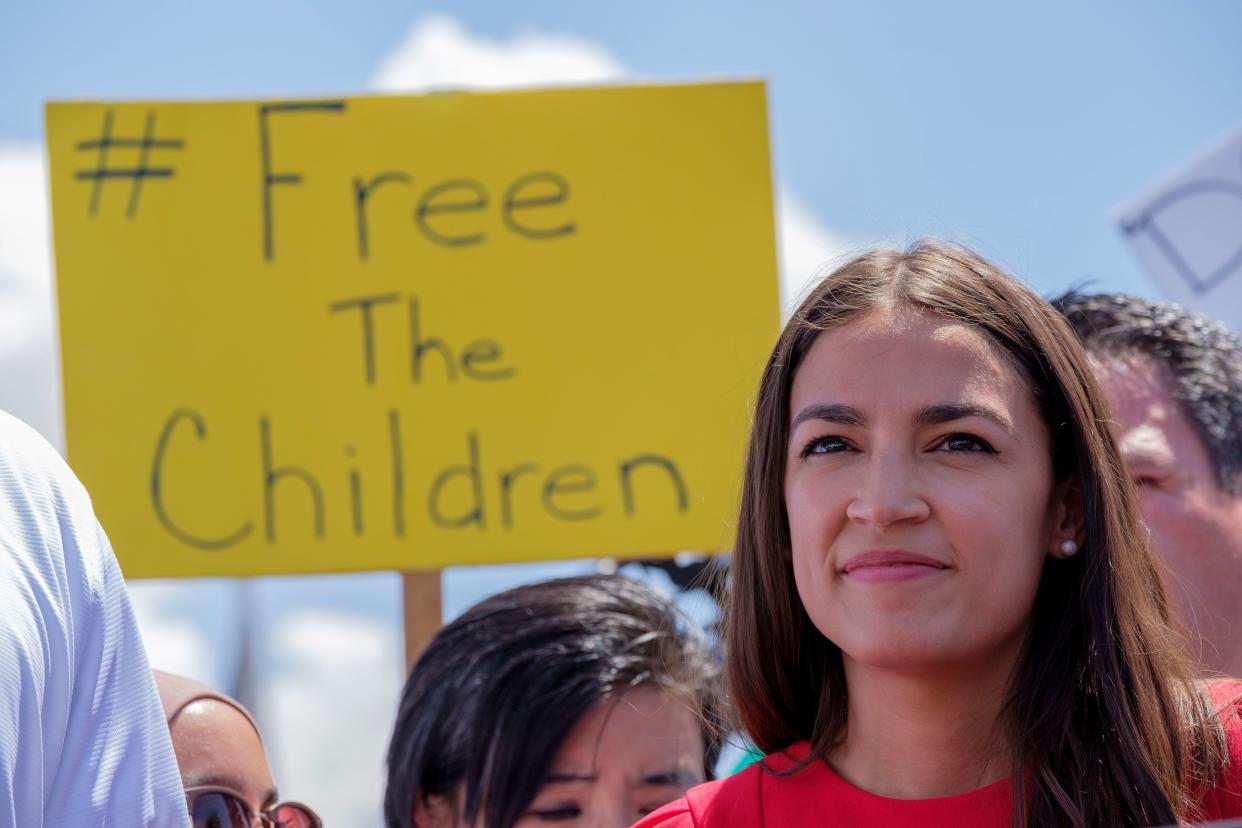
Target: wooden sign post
{"type": "Point", "coordinates": [422, 609]}
{"type": "Point", "coordinates": [403, 333]}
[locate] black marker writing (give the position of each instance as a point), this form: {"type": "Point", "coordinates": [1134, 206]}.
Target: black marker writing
{"type": "Point", "coordinates": [270, 178]}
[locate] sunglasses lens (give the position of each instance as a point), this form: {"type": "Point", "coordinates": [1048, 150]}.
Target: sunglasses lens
{"type": "Point", "coordinates": [219, 810]}
{"type": "Point", "coordinates": [292, 816]}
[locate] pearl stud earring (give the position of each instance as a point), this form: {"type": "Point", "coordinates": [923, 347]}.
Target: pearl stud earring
{"type": "Point", "coordinates": [1069, 547]}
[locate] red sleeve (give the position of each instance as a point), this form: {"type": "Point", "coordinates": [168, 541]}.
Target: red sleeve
{"type": "Point", "coordinates": [675, 814]}
{"type": "Point", "coordinates": [1225, 800]}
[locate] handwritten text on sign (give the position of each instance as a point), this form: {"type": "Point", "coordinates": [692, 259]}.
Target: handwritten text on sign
{"type": "Point", "coordinates": [365, 333]}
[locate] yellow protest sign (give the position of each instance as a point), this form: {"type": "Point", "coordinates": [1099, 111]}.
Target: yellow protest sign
{"type": "Point", "coordinates": [407, 332]}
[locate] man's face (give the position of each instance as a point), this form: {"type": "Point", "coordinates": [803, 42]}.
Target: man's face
{"type": "Point", "coordinates": [1195, 525]}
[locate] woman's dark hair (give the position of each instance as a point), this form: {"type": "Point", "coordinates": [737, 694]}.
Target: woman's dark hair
{"type": "Point", "coordinates": [1105, 722]}
{"type": "Point", "coordinates": [496, 693]}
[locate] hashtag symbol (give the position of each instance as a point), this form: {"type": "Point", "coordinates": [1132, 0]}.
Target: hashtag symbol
{"type": "Point", "coordinates": [137, 173]}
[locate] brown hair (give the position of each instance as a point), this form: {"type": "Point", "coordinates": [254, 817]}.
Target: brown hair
{"type": "Point", "coordinates": [1105, 722]}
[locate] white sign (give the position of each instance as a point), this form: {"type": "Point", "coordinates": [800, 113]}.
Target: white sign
{"type": "Point", "coordinates": [1187, 233]}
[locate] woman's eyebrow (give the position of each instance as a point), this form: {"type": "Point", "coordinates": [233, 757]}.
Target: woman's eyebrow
{"type": "Point", "coordinates": [830, 413]}
{"type": "Point", "coordinates": [948, 412]}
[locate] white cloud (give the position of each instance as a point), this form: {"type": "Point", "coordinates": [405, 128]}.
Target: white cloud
{"type": "Point", "coordinates": [328, 712]}
{"type": "Point", "coordinates": [24, 255]}
{"type": "Point", "coordinates": [803, 247]}
{"type": "Point", "coordinates": [438, 53]}
{"type": "Point", "coordinates": [29, 388]}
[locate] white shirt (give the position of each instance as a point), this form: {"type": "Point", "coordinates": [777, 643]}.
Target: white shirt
{"type": "Point", "coordinates": [82, 735]}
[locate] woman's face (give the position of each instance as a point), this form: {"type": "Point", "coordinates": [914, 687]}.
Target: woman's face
{"type": "Point", "coordinates": [919, 492]}
{"type": "Point", "coordinates": [623, 759]}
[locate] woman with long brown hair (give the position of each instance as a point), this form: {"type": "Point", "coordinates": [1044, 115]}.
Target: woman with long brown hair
{"type": "Point", "coordinates": [943, 609]}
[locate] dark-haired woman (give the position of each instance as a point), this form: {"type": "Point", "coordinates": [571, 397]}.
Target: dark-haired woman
{"type": "Point", "coordinates": [576, 701]}
{"type": "Point", "coordinates": [944, 611]}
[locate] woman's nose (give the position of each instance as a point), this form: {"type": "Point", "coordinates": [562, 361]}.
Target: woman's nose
{"type": "Point", "coordinates": [888, 494]}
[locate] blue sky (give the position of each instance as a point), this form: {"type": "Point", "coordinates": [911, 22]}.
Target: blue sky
{"type": "Point", "coordinates": [1014, 129]}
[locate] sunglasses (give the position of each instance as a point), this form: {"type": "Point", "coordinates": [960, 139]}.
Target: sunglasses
{"type": "Point", "coordinates": [215, 807]}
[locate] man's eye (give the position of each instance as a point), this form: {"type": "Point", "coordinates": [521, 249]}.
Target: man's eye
{"type": "Point", "coordinates": [824, 445]}
{"type": "Point", "coordinates": [966, 443]}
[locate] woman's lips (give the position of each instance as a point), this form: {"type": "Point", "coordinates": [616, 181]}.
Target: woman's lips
{"type": "Point", "coordinates": [891, 565]}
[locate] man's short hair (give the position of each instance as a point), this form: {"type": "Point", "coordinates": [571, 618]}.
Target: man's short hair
{"type": "Point", "coordinates": [1203, 359]}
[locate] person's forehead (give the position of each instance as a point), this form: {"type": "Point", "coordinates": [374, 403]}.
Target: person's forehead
{"type": "Point", "coordinates": [928, 354]}
{"type": "Point", "coordinates": [1138, 387]}
{"type": "Point", "coordinates": [212, 717]}
{"type": "Point", "coordinates": [214, 741]}
{"type": "Point", "coordinates": [639, 732]}
{"type": "Point", "coordinates": [1149, 423]}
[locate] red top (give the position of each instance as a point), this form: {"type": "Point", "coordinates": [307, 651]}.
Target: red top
{"type": "Point", "coordinates": [816, 797]}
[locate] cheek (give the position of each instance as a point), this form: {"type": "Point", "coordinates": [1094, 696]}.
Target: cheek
{"type": "Point", "coordinates": [1189, 532]}
{"type": "Point", "coordinates": [1001, 532]}
{"type": "Point", "coordinates": [814, 508]}
{"type": "Point", "coordinates": [815, 519]}
{"type": "Point", "coordinates": [1005, 587]}
{"type": "Point", "coordinates": [813, 582]}
{"type": "Point", "coordinates": [1186, 533]}
{"type": "Point", "coordinates": [1163, 515]}
{"type": "Point", "coordinates": [1002, 542]}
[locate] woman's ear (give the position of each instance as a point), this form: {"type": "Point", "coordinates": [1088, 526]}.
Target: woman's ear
{"type": "Point", "coordinates": [1068, 533]}
{"type": "Point", "coordinates": [433, 811]}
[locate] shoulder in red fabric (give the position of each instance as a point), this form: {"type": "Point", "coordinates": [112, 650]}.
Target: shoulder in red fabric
{"type": "Point", "coordinates": [816, 796]}
{"type": "Point", "coordinates": [784, 790]}
{"type": "Point", "coordinates": [675, 814]}
{"type": "Point", "coordinates": [1224, 801]}
{"type": "Point", "coordinates": [722, 803]}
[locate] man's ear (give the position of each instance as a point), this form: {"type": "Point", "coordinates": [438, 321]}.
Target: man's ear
{"type": "Point", "coordinates": [1067, 518]}
{"type": "Point", "coordinates": [433, 811]}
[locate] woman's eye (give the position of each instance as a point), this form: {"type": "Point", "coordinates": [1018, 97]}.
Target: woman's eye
{"type": "Point", "coordinates": [561, 813]}
{"type": "Point", "coordinates": [824, 445]}
{"type": "Point", "coordinates": [966, 443]}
